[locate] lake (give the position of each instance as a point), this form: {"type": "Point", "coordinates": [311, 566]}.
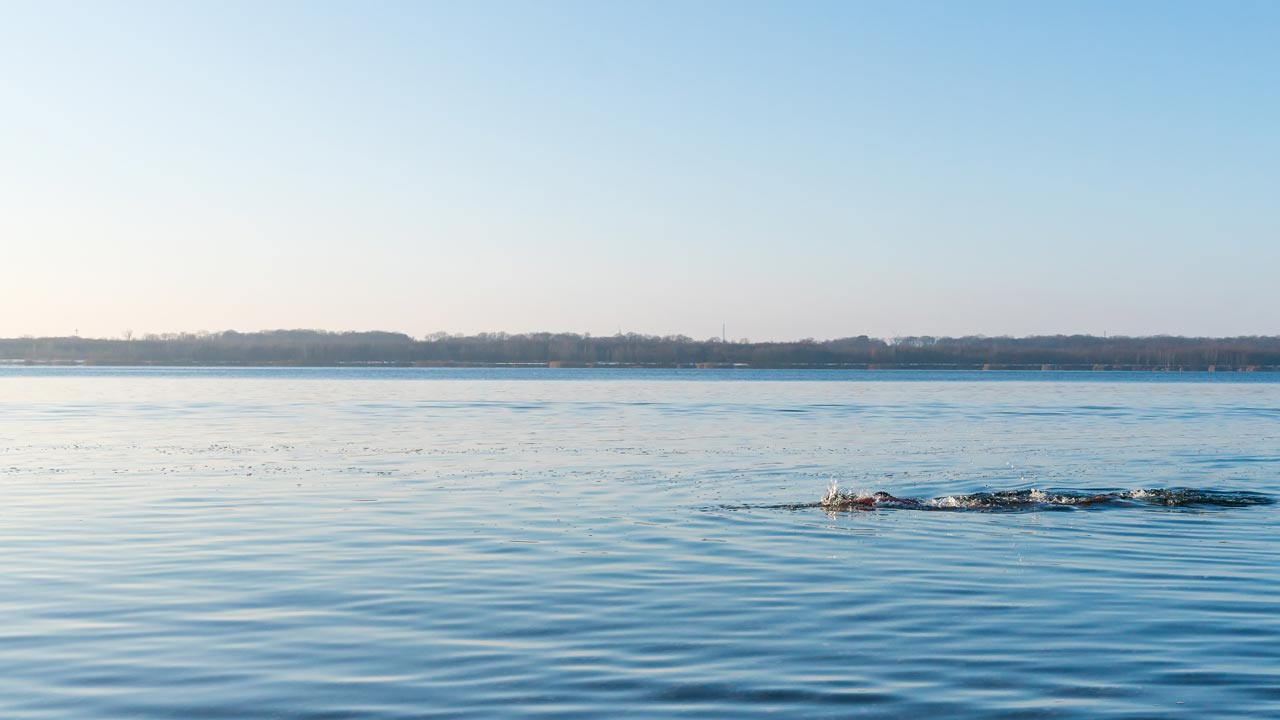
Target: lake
{"type": "Point", "coordinates": [537, 543]}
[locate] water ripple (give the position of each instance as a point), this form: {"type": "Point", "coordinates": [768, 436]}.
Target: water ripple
{"type": "Point", "coordinates": [358, 544]}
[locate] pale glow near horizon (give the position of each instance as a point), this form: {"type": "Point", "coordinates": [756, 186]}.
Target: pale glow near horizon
{"type": "Point", "coordinates": [816, 170]}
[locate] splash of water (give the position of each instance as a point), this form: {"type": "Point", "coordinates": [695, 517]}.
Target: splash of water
{"type": "Point", "coordinates": [1035, 499]}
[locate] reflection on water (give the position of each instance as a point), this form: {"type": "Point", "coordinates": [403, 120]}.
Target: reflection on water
{"type": "Point", "coordinates": [408, 544]}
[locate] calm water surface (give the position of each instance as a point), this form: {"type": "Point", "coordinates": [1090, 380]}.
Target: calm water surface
{"type": "Point", "coordinates": [559, 544]}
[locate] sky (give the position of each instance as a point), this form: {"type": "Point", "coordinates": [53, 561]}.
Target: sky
{"type": "Point", "coordinates": [782, 169]}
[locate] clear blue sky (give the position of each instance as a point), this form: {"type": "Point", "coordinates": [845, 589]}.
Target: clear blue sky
{"type": "Point", "coordinates": [790, 169]}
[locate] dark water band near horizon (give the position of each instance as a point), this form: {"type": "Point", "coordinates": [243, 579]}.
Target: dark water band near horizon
{"type": "Point", "coordinates": [535, 543]}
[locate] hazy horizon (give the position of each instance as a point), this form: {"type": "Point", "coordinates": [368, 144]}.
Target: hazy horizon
{"type": "Point", "coordinates": [787, 170]}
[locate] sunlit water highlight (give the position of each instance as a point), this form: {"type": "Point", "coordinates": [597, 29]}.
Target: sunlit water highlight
{"type": "Point", "coordinates": [558, 544]}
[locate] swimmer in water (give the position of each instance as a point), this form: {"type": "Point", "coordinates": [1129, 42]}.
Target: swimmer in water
{"type": "Point", "coordinates": [836, 501]}
{"type": "Point", "coordinates": [1015, 500]}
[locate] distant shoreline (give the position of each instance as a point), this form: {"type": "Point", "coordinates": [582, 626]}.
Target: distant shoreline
{"type": "Point", "coordinates": [874, 367]}
{"type": "Point", "coordinates": [318, 348]}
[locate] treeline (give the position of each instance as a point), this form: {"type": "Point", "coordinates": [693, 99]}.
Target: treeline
{"type": "Point", "coordinates": [316, 347]}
